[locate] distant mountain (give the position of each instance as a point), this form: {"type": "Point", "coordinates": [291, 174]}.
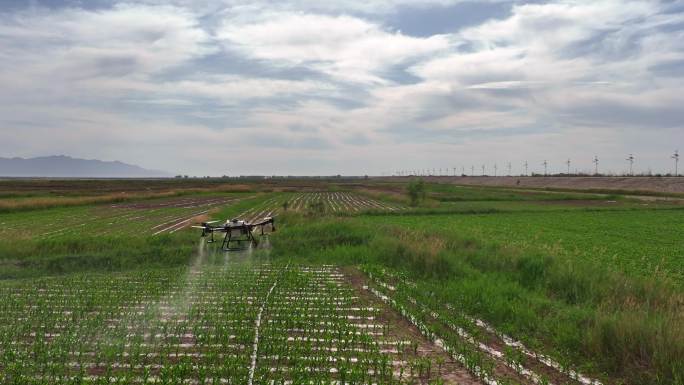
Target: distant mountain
{"type": "Point", "coordinates": [67, 167]}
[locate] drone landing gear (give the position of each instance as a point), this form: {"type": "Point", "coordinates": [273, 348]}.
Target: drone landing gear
{"type": "Point", "coordinates": [204, 235]}
{"type": "Point", "coordinates": [241, 242]}
{"type": "Point", "coordinates": [273, 229]}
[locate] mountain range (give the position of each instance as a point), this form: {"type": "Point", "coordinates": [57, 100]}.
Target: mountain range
{"type": "Point", "coordinates": [62, 166]}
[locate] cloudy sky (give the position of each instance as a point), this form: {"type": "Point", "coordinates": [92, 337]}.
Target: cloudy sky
{"type": "Point", "coordinates": [211, 87]}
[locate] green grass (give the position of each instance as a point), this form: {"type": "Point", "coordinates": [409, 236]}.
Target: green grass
{"type": "Point", "coordinates": [94, 238]}
{"type": "Point", "coordinates": [36, 258]}
{"type": "Point", "coordinates": [101, 219]}
{"type": "Point", "coordinates": [647, 243]}
{"type": "Point", "coordinates": [232, 211]}
{"type": "Point", "coordinates": [581, 309]}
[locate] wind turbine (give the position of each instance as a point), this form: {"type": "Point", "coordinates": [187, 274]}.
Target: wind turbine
{"type": "Point", "coordinates": [546, 166]}
{"type": "Point", "coordinates": [483, 170]}
{"type": "Point", "coordinates": [526, 165]}
{"type": "Point", "coordinates": [472, 170]}
{"type": "Point", "coordinates": [568, 163]}
{"type": "Point", "coordinates": [509, 168]}
{"type": "Point", "coordinates": [676, 159]}
{"type": "Point", "coordinates": [596, 162]}
{"type": "Point", "coordinates": [495, 168]}
{"type": "Point", "coordinates": [630, 159]}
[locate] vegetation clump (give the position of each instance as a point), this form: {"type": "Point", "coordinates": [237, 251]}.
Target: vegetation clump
{"type": "Point", "coordinates": [416, 192]}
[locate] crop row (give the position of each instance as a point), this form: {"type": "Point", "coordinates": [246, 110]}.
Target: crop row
{"type": "Point", "coordinates": [321, 202]}
{"type": "Point", "coordinates": [150, 218]}
{"type": "Point", "coordinates": [496, 357]}
{"type": "Point", "coordinates": [232, 323]}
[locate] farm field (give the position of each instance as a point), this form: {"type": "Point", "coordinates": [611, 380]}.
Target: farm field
{"type": "Point", "coordinates": [333, 203]}
{"type": "Point", "coordinates": [143, 218]}
{"type": "Point", "coordinates": [169, 215]}
{"type": "Point", "coordinates": [645, 243]}
{"type": "Point", "coordinates": [218, 322]}
{"type": "Point", "coordinates": [663, 185]}
{"type": "Point", "coordinates": [592, 283]}
{"type": "Point", "coordinates": [471, 286]}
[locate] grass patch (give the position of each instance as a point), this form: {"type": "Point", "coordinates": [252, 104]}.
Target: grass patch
{"type": "Point", "coordinates": [640, 243]}
{"type": "Point", "coordinates": [626, 327]}
{"type": "Point", "coordinates": [35, 258]}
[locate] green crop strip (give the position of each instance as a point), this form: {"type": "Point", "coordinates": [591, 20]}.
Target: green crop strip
{"type": "Point", "coordinates": [198, 324]}
{"type": "Point", "coordinates": [579, 310]}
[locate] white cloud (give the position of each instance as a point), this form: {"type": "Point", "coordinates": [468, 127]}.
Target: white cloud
{"type": "Point", "coordinates": [76, 56]}
{"type": "Point", "coordinates": [227, 88]}
{"type": "Point", "coordinates": [345, 47]}
{"type": "Point", "coordinates": [565, 56]}
{"type": "Point", "coordinates": [79, 43]}
{"type": "Point", "coordinates": [113, 53]}
{"type": "Point", "coordinates": [172, 86]}
{"type": "Point", "coordinates": [368, 7]}
{"type": "Point", "coordinates": [537, 41]}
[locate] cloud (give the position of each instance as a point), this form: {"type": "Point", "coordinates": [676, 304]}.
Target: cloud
{"type": "Point", "coordinates": [173, 84]}
{"type": "Point", "coordinates": [80, 43]}
{"type": "Point", "coordinates": [231, 89]}
{"type": "Point", "coordinates": [344, 47]}
{"type": "Point", "coordinates": [74, 55]}
{"type": "Point", "coordinates": [560, 57]}
{"type": "Point", "coordinates": [364, 7]}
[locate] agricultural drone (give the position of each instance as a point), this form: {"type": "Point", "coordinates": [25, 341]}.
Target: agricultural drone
{"type": "Point", "coordinates": [238, 232]}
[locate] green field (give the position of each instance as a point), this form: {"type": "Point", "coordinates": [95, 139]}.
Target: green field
{"type": "Point", "coordinates": [472, 285]}
{"type": "Point", "coordinates": [638, 242]}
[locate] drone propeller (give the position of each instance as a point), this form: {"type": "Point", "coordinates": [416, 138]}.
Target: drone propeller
{"type": "Point", "coordinates": [204, 225]}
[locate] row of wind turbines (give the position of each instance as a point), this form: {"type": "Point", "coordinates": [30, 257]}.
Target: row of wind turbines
{"type": "Point", "coordinates": [445, 171]}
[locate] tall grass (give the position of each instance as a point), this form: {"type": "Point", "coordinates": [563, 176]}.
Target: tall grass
{"type": "Point", "coordinates": [36, 257]}
{"type": "Point", "coordinates": [630, 328]}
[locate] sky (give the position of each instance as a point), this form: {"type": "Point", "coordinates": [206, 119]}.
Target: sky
{"type": "Point", "coordinates": [352, 87]}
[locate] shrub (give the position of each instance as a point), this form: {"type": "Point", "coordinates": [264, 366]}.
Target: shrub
{"type": "Point", "coordinates": [416, 191]}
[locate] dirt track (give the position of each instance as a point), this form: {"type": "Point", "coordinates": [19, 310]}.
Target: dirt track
{"type": "Point", "coordinates": [648, 184]}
